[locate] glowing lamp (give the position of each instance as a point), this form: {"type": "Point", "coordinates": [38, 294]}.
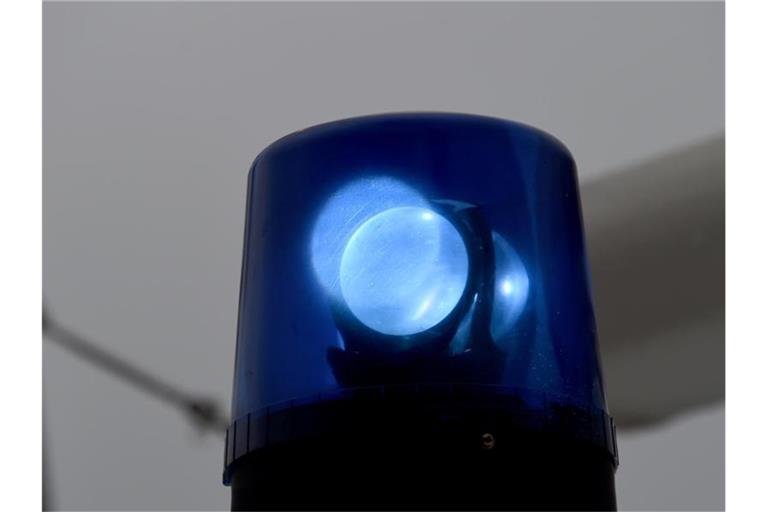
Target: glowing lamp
{"type": "Point", "coordinates": [416, 327]}
{"type": "Point", "coordinates": [403, 271]}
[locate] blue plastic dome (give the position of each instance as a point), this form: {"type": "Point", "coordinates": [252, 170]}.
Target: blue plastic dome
{"type": "Point", "coordinates": [414, 250]}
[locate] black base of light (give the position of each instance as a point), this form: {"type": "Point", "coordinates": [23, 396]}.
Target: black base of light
{"type": "Point", "coordinates": [415, 454]}
{"type": "Point", "coordinates": [346, 474]}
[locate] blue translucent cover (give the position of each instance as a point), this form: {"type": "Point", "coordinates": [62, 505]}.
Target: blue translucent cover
{"type": "Point", "coordinates": [414, 249]}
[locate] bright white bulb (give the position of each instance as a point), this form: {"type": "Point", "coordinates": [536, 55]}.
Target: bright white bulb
{"type": "Point", "coordinates": [344, 212]}
{"type": "Point", "coordinates": [404, 270]}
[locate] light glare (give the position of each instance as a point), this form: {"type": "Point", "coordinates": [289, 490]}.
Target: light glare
{"type": "Point", "coordinates": [511, 289]}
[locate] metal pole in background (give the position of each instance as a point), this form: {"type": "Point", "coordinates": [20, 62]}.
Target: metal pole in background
{"type": "Point", "coordinates": [204, 412]}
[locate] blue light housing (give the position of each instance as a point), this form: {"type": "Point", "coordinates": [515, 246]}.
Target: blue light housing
{"type": "Point", "coordinates": [425, 251]}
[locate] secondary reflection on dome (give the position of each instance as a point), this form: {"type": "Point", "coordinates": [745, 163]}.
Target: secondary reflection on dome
{"type": "Point", "coordinates": [511, 288]}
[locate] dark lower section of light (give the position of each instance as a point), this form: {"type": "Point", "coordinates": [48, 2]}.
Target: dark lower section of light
{"type": "Point", "coordinates": [530, 472]}
{"type": "Point", "coordinates": [423, 448]}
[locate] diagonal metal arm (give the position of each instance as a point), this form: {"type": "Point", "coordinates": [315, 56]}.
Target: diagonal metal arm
{"type": "Point", "coordinates": [205, 413]}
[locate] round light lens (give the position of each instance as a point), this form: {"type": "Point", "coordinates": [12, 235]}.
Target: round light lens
{"type": "Point", "coordinates": [346, 211]}
{"type": "Point", "coordinates": [404, 270]}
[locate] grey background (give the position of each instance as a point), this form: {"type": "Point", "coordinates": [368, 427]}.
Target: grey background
{"type": "Point", "coordinates": [153, 113]}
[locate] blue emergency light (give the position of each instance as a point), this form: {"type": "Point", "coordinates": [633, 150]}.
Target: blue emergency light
{"type": "Point", "coordinates": [417, 282]}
